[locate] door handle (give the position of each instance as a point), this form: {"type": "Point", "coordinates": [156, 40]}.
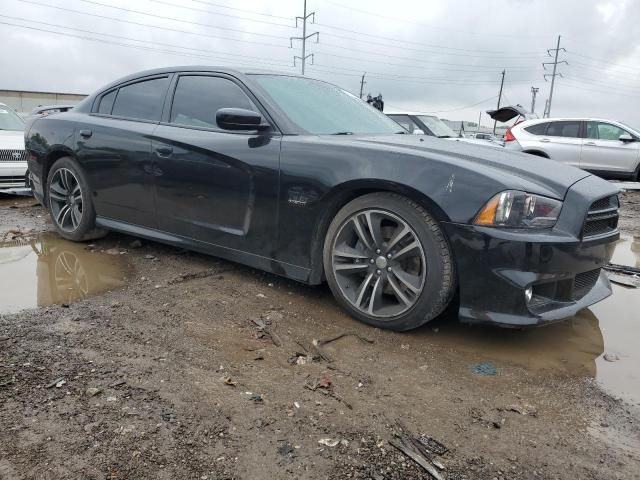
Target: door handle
{"type": "Point", "coordinates": [164, 151]}
{"type": "Point", "coordinates": [591, 144]}
{"type": "Point", "coordinates": [545, 140]}
{"type": "Point", "coordinates": [86, 133]}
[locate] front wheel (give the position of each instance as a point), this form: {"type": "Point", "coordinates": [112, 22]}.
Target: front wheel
{"type": "Point", "coordinates": [388, 262]}
{"type": "Point", "coordinates": [70, 203]}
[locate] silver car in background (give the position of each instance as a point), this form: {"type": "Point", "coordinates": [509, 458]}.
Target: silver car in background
{"type": "Point", "coordinates": [603, 147]}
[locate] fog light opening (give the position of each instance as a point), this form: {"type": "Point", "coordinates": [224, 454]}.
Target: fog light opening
{"type": "Point", "coordinates": [528, 293]}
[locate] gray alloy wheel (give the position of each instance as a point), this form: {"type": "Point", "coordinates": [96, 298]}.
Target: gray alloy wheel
{"type": "Point", "coordinates": [66, 200]}
{"type": "Point", "coordinates": [379, 263]}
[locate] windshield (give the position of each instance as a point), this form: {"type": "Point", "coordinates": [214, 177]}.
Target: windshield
{"type": "Point", "coordinates": [10, 120]}
{"type": "Point", "coordinates": [437, 126]}
{"type": "Point", "coordinates": [321, 108]}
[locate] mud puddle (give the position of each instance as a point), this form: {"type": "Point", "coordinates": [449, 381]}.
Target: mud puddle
{"type": "Point", "coordinates": [48, 270]}
{"type": "Point", "coordinates": [577, 346]}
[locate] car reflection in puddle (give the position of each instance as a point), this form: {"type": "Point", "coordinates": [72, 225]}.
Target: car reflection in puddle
{"type": "Point", "coordinates": [48, 270]}
{"type": "Point", "coordinates": [575, 347]}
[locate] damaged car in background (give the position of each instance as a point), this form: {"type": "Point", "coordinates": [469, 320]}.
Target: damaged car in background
{"type": "Point", "coordinates": [297, 177]}
{"type": "Point", "coordinates": [13, 157]}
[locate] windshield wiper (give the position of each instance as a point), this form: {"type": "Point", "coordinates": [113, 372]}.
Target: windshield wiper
{"type": "Point", "coordinates": [401, 132]}
{"type": "Point", "coordinates": [444, 136]}
{"type": "Point", "coordinates": [342, 133]}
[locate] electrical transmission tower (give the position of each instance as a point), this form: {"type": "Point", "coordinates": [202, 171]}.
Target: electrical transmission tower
{"type": "Point", "coordinates": [553, 75]}
{"type": "Point", "coordinates": [304, 37]}
{"type": "Point", "coordinates": [534, 92]}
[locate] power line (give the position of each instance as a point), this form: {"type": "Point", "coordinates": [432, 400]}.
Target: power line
{"type": "Point", "coordinates": [443, 47]}
{"type": "Point", "coordinates": [210, 12]}
{"type": "Point", "coordinates": [138, 12]}
{"type": "Point", "coordinates": [120, 37]}
{"type": "Point", "coordinates": [130, 22]}
{"type": "Point", "coordinates": [140, 47]}
{"type": "Point", "coordinates": [212, 4]}
{"type": "Point", "coordinates": [602, 61]}
{"type": "Point", "coordinates": [467, 32]}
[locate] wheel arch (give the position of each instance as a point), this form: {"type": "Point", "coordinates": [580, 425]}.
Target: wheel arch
{"type": "Point", "coordinates": [344, 193]}
{"type": "Point", "coordinates": [51, 158]}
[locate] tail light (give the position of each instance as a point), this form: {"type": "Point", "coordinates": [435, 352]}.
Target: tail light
{"type": "Point", "coordinates": [508, 136]}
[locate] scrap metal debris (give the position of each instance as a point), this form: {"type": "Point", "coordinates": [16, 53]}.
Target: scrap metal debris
{"type": "Point", "coordinates": [325, 386]}
{"type": "Point", "coordinates": [265, 330]}
{"type": "Point", "coordinates": [419, 450]}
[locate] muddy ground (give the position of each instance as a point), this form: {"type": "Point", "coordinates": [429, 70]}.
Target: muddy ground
{"type": "Point", "coordinates": [168, 374]}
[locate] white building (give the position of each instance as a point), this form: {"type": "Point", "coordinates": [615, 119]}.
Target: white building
{"type": "Point", "coordinates": [23, 101]}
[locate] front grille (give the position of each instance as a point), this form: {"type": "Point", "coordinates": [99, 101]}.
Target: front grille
{"type": "Point", "coordinates": [602, 217]}
{"type": "Point", "coordinates": [12, 180]}
{"type": "Point", "coordinates": [13, 155]}
{"type": "Point", "coordinates": [584, 282]}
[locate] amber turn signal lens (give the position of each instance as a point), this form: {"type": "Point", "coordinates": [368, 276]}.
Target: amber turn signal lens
{"type": "Point", "coordinates": [487, 215]}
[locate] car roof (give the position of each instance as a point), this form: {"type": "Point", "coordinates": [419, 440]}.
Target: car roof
{"type": "Point", "coordinates": [568, 119]}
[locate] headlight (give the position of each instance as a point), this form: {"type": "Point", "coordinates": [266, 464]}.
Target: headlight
{"type": "Point", "coordinates": [519, 210]}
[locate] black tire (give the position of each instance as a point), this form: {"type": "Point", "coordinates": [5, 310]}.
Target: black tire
{"type": "Point", "coordinates": [438, 285]}
{"type": "Point", "coordinates": [86, 226]}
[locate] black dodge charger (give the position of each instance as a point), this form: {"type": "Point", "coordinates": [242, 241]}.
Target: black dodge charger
{"type": "Point", "coordinates": [300, 178]}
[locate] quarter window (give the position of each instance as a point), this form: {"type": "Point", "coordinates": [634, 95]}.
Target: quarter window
{"type": "Point", "coordinates": [538, 128]}
{"type": "Point", "coordinates": [106, 103]}
{"type": "Point", "coordinates": [198, 98]}
{"type": "Point", "coordinates": [570, 129]}
{"type": "Point", "coordinates": [142, 100]}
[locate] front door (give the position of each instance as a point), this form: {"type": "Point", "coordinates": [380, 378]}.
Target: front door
{"type": "Point", "coordinates": [604, 151]}
{"type": "Point", "coordinates": [212, 185]}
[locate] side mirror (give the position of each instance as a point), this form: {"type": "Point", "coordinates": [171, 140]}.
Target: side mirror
{"type": "Point", "coordinates": [625, 137]}
{"type": "Point", "coordinates": [239, 119]}
{"type": "Point", "coordinates": [417, 131]}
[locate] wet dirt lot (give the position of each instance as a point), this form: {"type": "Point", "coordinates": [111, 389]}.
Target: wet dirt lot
{"type": "Point", "coordinates": [143, 361]}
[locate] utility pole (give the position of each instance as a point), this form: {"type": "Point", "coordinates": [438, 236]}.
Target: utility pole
{"type": "Point", "coordinates": [499, 99]}
{"type": "Point", "coordinates": [479, 117]}
{"type": "Point", "coordinates": [534, 92]}
{"type": "Point", "coordinates": [362, 84]}
{"type": "Point", "coordinates": [304, 37]}
{"type": "Point", "coordinates": [553, 76]}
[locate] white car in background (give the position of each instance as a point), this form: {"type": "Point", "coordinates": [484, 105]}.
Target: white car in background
{"type": "Point", "coordinates": [13, 157]}
{"type": "Point", "coordinates": [424, 124]}
{"type": "Point", "coordinates": [603, 147]}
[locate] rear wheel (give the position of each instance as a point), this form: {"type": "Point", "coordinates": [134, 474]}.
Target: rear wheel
{"type": "Point", "coordinates": [388, 263]}
{"type": "Point", "coordinates": [70, 203]}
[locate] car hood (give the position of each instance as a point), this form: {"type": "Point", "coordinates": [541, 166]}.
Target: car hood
{"type": "Point", "coordinates": [11, 140]}
{"type": "Point", "coordinates": [475, 141]}
{"type": "Point", "coordinates": [514, 170]}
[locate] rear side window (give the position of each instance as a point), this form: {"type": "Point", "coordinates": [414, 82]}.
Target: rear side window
{"type": "Point", "coordinates": [106, 103]}
{"type": "Point", "coordinates": [198, 98]}
{"type": "Point", "coordinates": [538, 128]}
{"type": "Point", "coordinates": [570, 129]}
{"type": "Point", "coordinates": [142, 100]}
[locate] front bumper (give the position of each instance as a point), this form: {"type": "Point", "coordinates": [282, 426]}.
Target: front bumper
{"type": "Point", "coordinates": [495, 271]}
{"type": "Point", "coordinates": [562, 266]}
{"type": "Point", "coordinates": [13, 175]}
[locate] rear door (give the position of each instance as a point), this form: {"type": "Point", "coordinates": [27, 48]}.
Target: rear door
{"type": "Point", "coordinates": [214, 185]}
{"type": "Point", "coordinates": [604, 151]}
{"type": "Point", "coordinates": [563, 141]}
{"type": "Point", "coordinates": [115, 149]}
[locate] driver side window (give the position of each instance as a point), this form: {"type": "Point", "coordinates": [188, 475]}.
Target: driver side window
{"type": "Point", "coordinates": [604, 131]}
{"type": "Point", "coordinates": [197, 99]}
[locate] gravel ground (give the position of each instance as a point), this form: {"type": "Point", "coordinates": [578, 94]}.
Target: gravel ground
{"type": "Point", "coordinates": [202, 369]}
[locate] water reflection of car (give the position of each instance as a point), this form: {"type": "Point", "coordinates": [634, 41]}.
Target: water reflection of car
{"type": "Point", "coordinates": [64, 272]}
{"type": "Point", "coordinates": [13, 157]}
{"type": "Point", "coordinates": [424, 124]}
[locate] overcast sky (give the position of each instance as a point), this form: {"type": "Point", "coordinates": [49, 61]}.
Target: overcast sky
{"type": "Point", "coordinates": [442, 56]}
